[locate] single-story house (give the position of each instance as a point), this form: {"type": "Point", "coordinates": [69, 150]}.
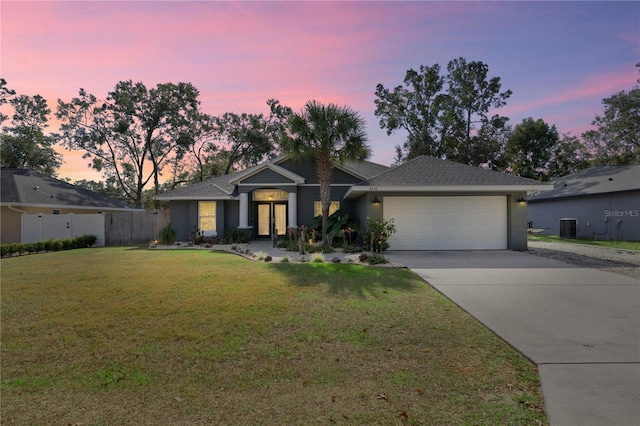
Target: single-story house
{"type": "Point", "coordinates": [436, 204]}
{"type": "Point", "coordinates": [26, 193]}
{"type": "Point", "coordinates": [599, 202]}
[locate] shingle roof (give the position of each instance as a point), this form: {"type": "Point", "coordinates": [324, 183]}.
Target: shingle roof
{"type": "Point", "coordinates": [366, 169]}
{"type": "Point", "coordinates": [214, 188]}
{"type": "Point", "coordinates": [220, 188]}
{"type": "Point", "coordinates": [28, 187]}
{"type": "Point", "coordinates": [594, 180]}
{"type": "Point", "coordinates": [431, 171]}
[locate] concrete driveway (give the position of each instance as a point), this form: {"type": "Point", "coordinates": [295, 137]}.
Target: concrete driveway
{"type": "Point", "coordinates": [580, 326]}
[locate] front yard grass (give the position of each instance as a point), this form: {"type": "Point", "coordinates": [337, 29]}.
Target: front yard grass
{"type": "Point", "coordinates": [133, 336]}
{"type": "Point", "coordinates": [623, 245]}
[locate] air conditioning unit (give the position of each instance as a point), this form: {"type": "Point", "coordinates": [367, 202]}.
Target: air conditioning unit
{"type": "Point", "coordinates": [568, 228]}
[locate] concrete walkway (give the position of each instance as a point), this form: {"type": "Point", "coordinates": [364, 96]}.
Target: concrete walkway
{"type": "Point", "coordinates": [580, 326]}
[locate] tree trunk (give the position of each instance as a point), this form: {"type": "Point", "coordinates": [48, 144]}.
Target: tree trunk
{"type": "Point", "coordinates": [324, 171]}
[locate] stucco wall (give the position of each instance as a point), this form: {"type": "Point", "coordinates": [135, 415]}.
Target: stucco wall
{"type": "Point", "coordinates": [516, 222]}
{"type": "Point", "coordinates": [607, 216]}
{"type": "Point", "coordinates": [184, 216]}
{"type": "Point", "coordinates": [267, 176]}
{"type": "Point", "coordinates": [306, 169]}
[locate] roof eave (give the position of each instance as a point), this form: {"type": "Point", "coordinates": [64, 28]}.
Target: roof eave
{"type": "Point", "coordinates": [70, 206]}
{"type": "Point", "coordinates": [196, 198]}
{"type": "Point", "coordinates": [356, 191]}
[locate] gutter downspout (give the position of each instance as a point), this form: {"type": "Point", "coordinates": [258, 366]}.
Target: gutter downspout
{"type": "Point", "coordinates": [16, 209]}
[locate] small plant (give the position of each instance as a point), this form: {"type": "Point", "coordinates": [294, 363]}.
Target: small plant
{"type": "Point", "coordinates": [196, 236]}
{"type": "Point", "coordinates": [260, 255]}
{"type": "Point", "coordinates": [352, 249]}
{"type": "Point", "coordinates": [285, 259]}
{"type": "Point", "coordinates": [379, 233]}
{"type": "Point", "coordinates": [376, 259]}
{"type": "Point", "coordinates": [167, 235]}
{"type": "Point", "coordinates": [317, 257]}
{"type": "Point", "coordinates": [234, 247]}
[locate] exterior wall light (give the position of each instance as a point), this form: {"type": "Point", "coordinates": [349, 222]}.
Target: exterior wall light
{"type": "Point", "coordinates": [376, 201]}
{"type": "Point", "coordinates": [521, 199]}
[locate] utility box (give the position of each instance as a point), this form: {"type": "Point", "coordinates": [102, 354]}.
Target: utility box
{"type": "Point", "coordinates": [568, 228]}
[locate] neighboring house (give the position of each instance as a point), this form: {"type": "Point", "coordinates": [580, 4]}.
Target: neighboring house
{"type": "Point", "coordinates": [600, 202]}
{"type": "Point", "coordinates": [27, 194]}
{"type": "Point", "coordinates": [436, 204]}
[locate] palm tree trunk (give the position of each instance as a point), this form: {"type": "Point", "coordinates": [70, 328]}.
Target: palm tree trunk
{"type": "Point", "coordinates": [324, 172]}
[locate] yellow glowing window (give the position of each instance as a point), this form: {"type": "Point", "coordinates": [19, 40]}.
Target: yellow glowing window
{"type": "Point", "coordinates": [317, 208]}
{"type": "Point", "coordinates": [207, 216]}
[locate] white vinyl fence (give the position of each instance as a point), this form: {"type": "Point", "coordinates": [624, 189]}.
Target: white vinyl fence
{"type": "Point", "coordinates": [38, 227]}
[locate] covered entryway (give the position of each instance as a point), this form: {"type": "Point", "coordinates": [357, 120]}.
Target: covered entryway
{"type": "Point", "coordinates": [448, 222]}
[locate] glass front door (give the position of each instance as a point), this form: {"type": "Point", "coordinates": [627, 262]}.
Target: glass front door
{"type": "Point", "coordinates": [272, 217]}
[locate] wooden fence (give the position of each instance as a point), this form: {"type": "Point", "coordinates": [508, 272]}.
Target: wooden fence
{"type": "Point", "coordinates": [129, 228]}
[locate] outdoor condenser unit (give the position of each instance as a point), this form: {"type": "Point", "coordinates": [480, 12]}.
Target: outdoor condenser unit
{"type": "Point", "coordinates": [568, 228]}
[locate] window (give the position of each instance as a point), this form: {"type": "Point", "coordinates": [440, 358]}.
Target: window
{"type": "Point", "coordinates": [270, 195]}
{"type": "Point", "coordinates": [207, 217]}
{"type": "Point", "coordinates": [317, 207]}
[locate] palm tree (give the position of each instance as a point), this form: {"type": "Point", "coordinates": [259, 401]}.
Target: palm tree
{"type": "Point", "coordinates": [327, 134]}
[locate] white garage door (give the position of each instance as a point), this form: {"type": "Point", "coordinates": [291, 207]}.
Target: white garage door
{"type": "Point", "coordinates": [447, 223]}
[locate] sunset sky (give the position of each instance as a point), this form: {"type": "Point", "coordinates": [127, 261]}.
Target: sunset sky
{"type": "Point", "coordinates": [559, 58]}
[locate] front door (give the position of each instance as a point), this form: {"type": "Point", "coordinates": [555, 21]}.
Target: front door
{"type": "Point", "coordinates": [272, 217]}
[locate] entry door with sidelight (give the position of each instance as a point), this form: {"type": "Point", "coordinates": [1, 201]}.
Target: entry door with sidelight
{"type": "Point", "coordinates": [272, 216]}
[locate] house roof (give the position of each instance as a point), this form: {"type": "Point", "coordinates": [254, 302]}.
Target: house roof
{"type": "Point", "coordinates": [217, 188]}
{"type": "Point", "coordinates": [238, 177]}
{"type": "Point", "coordinates": [24, 187]}
{"type": "Point", "coordinates": [365, 169]}
{"type": "Point", "coordinates": [594, 180]}
{"type": "Point", "coordinates": [432, 174]}
{"type": "Point", "coordinates": [222, 187]}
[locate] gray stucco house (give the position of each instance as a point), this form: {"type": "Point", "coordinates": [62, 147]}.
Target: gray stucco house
{"type": "Point", "coordinates": [600, 202]}
{"type": "Point", "coordinates": [436, 204]}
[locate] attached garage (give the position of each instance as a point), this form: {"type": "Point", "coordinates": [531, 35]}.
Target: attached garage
{"type": "Point", "coordinates": [442, 205]}
{"type": "Point", "coordinates": [447, 222]}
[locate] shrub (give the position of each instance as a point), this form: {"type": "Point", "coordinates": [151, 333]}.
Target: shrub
{"type": "Point", "coordinates": [376, 259]}
{"type": "Point", "coordinates": [10, 249]}
{"type": "Point", "coordinates": [379, 232]}
{"type": "Point", "coordinates": [317, 257]}
{"type": "Point", "coordinates": [352, 249]}
{"type": "Point", "coordinates": [260, 255]}
{"type": "Point", "coordinates": [167, 235]}
{"type": "Point", "coordinates": [319, 248]}
{"type": "Point", "coordinates": [234, 236]}
{"type": "Point", "coordinates": [69, 244]}
{"type": "Point", "coordinates": [56, 245]}
{"type": "Point", "coordinates": [87, 241]}
{"type": "Point", "coordinates": [285, 259]}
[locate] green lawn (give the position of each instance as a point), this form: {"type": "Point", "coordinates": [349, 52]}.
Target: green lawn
{"type": "Point", "coordinates": [134, 336]}
{"type": "Point", "coordinates": [624, 245]}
